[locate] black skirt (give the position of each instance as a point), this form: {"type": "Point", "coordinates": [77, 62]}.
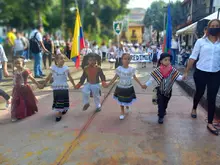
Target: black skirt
{"type": "Point", "coordinates": [154, 58]}
{"type": "Point", "coordinates": [60, 100]}
{"type": "Point", "coordinates": [125, 96]}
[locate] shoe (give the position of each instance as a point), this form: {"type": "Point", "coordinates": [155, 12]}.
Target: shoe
{"type": "Point", "coordinates": [85, 107]}
{"type": "Point", "coordinates": [194, 114]}
{"type": "Point", "coordinates": [128, 109]}
{"type": "Point", "coordinates": [8, 104]}
{"type": "Point", "coordinates": [160, 120]}
{"type": "Point", "coordinates": [25, 60]}
{"type": "Point", "coordinates": [121, 117]}
{"type": "Point", "coordinates": [58, 118]}
{"type": "Point", "coordinates": [14, 120]}
{"type": "Point", "coordinates": [98, 109]}
{"type": "Point", "coordinates": [215, 132]}
{"type": "Point", "coordinates": [64, 112]}
{"type": "Point", "coordinates": [43, 75]}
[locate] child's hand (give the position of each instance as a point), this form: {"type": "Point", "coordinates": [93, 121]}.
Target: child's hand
{"type": "Point", "coordinates": [144, 86]}
{"type": "Point", "coordinates": [105, 85]}
{"type": "Point", "coordinates": [77, 86]}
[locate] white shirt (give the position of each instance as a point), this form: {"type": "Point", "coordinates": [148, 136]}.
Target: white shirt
{"type": "Point", "coordinates": [104, 48]}
{"type": "Point", "coordinates": [86, 51]}
{"type": "Point", "coordinates": [120, 52]}
{"type": "Point", "coordinates": [38, 35]}
{"type": "Point", "coordinates": [59, 77]}
{"type": "Point", "coordinates": [125, 76]}
{"type": "Point", "coordinates": [18, 46]}
{"type": "Point", "coordinates": [208, 54]}
{"type": "Point", "coordinates": [174, 44]}
{"type": "Point", "coordinates": [3, 57]}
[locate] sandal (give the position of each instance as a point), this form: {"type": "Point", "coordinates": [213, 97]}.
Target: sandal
{"type": "Point", "coordinates": [194, 114]}
{"type": "Point", "coordinates": [215, 132]}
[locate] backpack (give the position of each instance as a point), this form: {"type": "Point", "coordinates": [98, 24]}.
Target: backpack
{"type": "Point", "coordinates": [35, 45]}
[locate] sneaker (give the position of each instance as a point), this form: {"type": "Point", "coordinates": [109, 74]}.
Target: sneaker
{"type": "Point", "coordinates": [121, 117]}
{"type": "Point", "coordinates": [98, 109]}
{"type": "Point", "coordinates": [58, 118]}
{"type": "Point", "coordinates": [64, 112]}
{"type": "Point", "coordinates": [25, 60]}
{"type": "Point", "coordinates": [160, 120]}
{"type": "Point", "coordinates": [85, 107]}
{"type": "Point", "coordinates": [128, 109]}
{"type": "Point", "coordinates": [14, 120]}
{"type": "Point", "coordinates": [8, 104]}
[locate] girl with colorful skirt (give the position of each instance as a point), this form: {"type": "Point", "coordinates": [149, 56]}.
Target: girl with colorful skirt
{"type": "Point", "coordinates": [24, 103]}
{"type": "Point", "coordinates": [165, 76]}
{"type": "Point", "coordinates": [124, 92]}
{"type": "Point", "coordinates": [60, 87]}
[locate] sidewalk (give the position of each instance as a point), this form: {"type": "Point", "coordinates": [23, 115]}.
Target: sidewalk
{"type": "Point", "coordinates": [189, 86]}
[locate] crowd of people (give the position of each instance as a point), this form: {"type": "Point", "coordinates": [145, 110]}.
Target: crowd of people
{"type": "Point", "coordinates": [206, 54]}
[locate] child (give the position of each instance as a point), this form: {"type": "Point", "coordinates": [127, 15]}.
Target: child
{"type": "Point", "coordinates": [165, 76]}
{"type": "Point", "coordinates": [24, 102]}
{"type": "Point", "coordinates": [154, 60]}
{"type": "Point", "coordinates": [124, 92]}
{"type": "Point", "coordinates": [92, 73]}
{"type": "Point", "coordinates": [59, 73]}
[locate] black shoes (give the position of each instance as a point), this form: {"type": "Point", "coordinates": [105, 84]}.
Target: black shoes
{"type": "Point", "coordinates": [58, 118]}
{"type": "Point", "coordinates": [64, 112]}
{"type": "Point", "coordinates": [215, 132]}
{"type": "Point", "coordinates": [160, 120]}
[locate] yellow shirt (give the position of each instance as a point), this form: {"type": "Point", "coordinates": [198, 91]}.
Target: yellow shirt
{"type": "Point", "coordinates": [11, 37]}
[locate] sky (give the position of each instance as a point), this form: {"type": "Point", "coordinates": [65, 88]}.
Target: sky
{"type": "Point", "coordinates": [143, 3]}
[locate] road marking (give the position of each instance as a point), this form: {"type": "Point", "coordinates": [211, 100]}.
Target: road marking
{"type": "Point", "coordinates": [63, 157]}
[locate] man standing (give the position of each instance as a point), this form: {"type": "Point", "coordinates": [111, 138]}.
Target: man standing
{"type": "Point", "coordinates": [3, 63]}
{"type": "Point", "coordinates": [36, 44]}
{"type": "Point", "coordinates": [174, 49]}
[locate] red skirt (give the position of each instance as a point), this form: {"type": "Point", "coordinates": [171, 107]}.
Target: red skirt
{"type": "Point", "coordinates": [24, 103]}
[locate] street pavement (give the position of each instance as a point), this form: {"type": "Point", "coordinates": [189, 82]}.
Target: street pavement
{"type": "Point", "coordinates": [89, 138]}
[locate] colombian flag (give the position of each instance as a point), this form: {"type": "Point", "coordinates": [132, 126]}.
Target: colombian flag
{"type": "Point", "coordinates": [168, 37]}
{"type": "Point", "coordinates": [78, 41]}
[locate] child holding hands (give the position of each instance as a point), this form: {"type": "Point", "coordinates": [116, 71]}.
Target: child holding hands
{"type": "Point", "coordinates": [165, 76]}
{"type": "Point", "coordinates": [59, 73]}
{"type": "Point", "coordinates": [92, 73]}
{"type": "Point", "coordinates": [124, 92]}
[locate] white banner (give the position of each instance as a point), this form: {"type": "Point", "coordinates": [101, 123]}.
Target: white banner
{"type": "Point", "coordinates": [140, 58]}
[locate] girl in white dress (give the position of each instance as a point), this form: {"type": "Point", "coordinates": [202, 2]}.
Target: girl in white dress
{"type": "Point", "coordinates": [124, 92]}
{"type": "Point", "coordinates": [60, 87]}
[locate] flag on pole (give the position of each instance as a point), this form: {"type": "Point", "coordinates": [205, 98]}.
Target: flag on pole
{"type": "Point", "coordinates": [168, 36]}
{"type": "Point", "coordinates": [78, 42]}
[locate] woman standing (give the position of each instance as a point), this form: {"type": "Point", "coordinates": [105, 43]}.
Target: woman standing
{"type": "Point", "coordinates": [49, 45]}
{"type": "Point", "coordinates": [207, 73]}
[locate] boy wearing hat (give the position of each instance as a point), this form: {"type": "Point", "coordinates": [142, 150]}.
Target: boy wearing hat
{"type": "Point", "coordinates": [165, 76]}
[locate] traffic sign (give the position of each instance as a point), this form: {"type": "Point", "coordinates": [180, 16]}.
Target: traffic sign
{"type": "Point", "coordinates": [117, 27]}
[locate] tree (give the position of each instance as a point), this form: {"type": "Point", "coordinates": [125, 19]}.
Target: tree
{"type": "Point", "coordinates": [155, 16]}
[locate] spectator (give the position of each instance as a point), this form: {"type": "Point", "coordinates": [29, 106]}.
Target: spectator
{"type": "Point", "coordinates": [26, 48]}
{"type": "Point", "coordinates": [11, 37]}
{"type": "Point", "coordinates": [19, 45]}
{"type": "Point", "coordinates": [104, 51]}
{"type": "Point", "coordinates": [174, 49]}
{"type": "Point", "coordinates": [37, 36]}
{"type": "Point", "coordinates": [48, 43]}
{"type": "Point", "coordinates": [3, 64]}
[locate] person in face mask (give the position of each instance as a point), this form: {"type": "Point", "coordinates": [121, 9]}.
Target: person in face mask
{"type": "Point", "coordinates": [207, 73]}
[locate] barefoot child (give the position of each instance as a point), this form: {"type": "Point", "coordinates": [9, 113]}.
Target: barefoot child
{"type": "Point", "coordinates": [124, 92]}
{"type": "Point", "coordinates": [165, 76]}
{"type": "Point", "coordinates": [60, 87]}
{"type": "Point", "coordinates": [91, 73]}
{"type": "Point", "coordinates": [24, 103]}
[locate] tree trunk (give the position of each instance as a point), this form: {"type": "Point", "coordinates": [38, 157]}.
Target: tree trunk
{"type": "Point", "coordinates": [63, 19]}
{"type": "Point", "coordinates": [158, 37]}
{"type": "Point", "coordinates": [39, 19]}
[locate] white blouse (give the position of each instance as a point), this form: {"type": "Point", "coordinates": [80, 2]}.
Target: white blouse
{"type": "Point", "coordinates": [59, 77]}
{"type": "Point", "coordinates": [125, 76]}
{"type": "Point", "coordinates": [208, 54]}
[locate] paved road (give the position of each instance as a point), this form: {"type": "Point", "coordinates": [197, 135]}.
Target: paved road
{"type": "Point", "coordinates": [88, 138]}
